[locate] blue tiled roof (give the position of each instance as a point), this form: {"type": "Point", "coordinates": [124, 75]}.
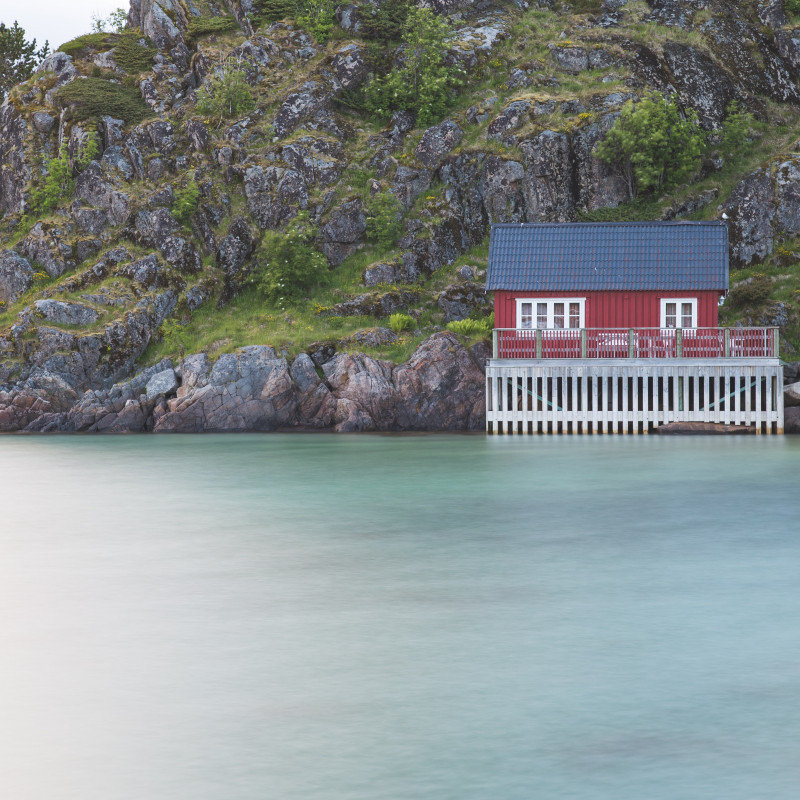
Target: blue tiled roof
{"type": "Point", "coordinates": [608, 256]}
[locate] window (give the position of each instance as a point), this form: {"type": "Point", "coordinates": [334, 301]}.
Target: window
{"type": "Point", "coordinates": [560, 312]}
{"type": "Point", "coordinates": [678, 312]}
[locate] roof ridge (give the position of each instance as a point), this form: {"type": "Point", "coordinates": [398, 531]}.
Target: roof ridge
{"type": "Point", "coordinates": [655, 222]}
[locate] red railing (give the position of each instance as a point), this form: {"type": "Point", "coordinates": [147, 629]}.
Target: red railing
{"type": "Point", "coordinates": [636, 343]}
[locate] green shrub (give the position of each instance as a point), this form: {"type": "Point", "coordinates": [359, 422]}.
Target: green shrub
{"type": "Point", "coordinates": [132, 56]}
{"type": "Point", "coordinates": [227, 93]}
{"type": "Point", "coordinates": [736, 133]}
{"type": "Point", "coordinates": [792, 7]}
{"type": "Point", "coordinates": [752, 294]}
{"type": "Point", "coordinates": [317, 16]}
{"type": "Point", "coordinates": [92, 98]}
{"type": "Point", "coordinates": [185, 203]}
{"type": "Point", "coordinates": [423, 84]}
{"type": "Point", "coordinates": [88, 151]}
{"type": "Point", "coordinates": [289, 264]}
{"type": "Point", "coordinates": [384, 219]}
{"type": "Point", "coordinates": [336, 323]}
{"type": "Point", "coordinates": [204, 26]}
{"type": "Point", "coordinates": [402, 322]}
{"type": "Point", "coordinates": [57, 184]}
{"type": "Point", "coordinates": [175, 336]}
{"type": "Point", "coordinates": [471, 327]}
{"type": "Point", "coordinates": [386, 22]}
{"type": "Point", "coordinates": [654, 144]}
{"type": "Point", "coordinates": [268, 11]}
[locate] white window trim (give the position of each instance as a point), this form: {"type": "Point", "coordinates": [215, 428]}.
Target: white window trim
{"type": "Point", "coordinates": [678, 300]}
{"type": "Point", "coordinates": [550, 303]}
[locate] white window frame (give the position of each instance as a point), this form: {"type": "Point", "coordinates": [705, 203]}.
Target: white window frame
{"type": "Point", "coordinates": [678, 316]}
{"type": "Point", "coordinates": [551, 301]}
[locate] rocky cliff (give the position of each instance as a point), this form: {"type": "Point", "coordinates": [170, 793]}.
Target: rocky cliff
{"type": "Point", "coordinates": [89, 287]}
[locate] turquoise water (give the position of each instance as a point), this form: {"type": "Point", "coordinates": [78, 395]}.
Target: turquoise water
{"type": "Point", "coordinates": [399, 618]}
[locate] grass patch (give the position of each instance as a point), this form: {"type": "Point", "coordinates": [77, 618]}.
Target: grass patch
{"type": "Point", "coordinates": [92, 98]}
{"type": "Point", "coordinates": [98, 42]}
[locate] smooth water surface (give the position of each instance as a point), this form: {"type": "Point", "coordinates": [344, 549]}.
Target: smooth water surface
{"type": "Point", "coordinates": [399, 618]}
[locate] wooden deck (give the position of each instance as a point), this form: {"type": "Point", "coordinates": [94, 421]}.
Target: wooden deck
{"type": "Point", "coordinates": [635, 343]}
{"type": "Point", "coordinates": [632, 395]}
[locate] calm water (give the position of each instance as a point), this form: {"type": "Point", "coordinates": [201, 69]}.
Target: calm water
{"type": "Point", "coordinates": [399, 618]}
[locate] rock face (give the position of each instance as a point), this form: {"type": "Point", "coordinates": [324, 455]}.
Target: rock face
{"type": "Point", "coordinates": [255, 389]}
{"type": "Point", "coordinates": [16, 276]}
{"type": "Point", "coordinates": [66, 313]}
{"type": "Point", "coordinates": [765, 204]}
{"type": "Point", "coordinates": [437, 141]}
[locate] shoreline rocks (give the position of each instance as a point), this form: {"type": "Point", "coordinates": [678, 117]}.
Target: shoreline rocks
{"type": "Point", "coordinates": [440, 388]}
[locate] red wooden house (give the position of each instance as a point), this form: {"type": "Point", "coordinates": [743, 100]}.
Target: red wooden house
{"type": "Point", "coordinates": [615, 296]}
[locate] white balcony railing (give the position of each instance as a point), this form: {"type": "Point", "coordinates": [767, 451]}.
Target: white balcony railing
{"type": "Point", "coordinates": [588, 343]}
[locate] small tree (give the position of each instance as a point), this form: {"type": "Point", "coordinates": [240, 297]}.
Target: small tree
{"type": "Point", "coordinates": [115, 22]}
{"type": "Point", "coordinates": [656, 146]}
{"type": "Point", "coordinates": [57, 184]}
{"type": "Point", "coordinates": [736, 133]}
{"type": "Point", "coordinates": [385, 22]}
{"type": "Point", "coordinates": [384, 219]}
{"type": "Point", "coordinates": [18, 57]}
{"type": "Point", "coordinates": [175, 336]}
{"type": "Point", "coordinates": [227, 93]}
{"type": "Point", "coordinates": [423, 83]}
{"type": "Point", "coordinates": [290, 264]}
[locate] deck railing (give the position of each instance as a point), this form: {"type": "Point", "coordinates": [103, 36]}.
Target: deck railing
{"type": "Point", "coordinates": [636, 343]}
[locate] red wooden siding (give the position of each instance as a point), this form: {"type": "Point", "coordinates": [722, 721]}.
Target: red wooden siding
{"type": "Point", "coordinates": [613, 309]}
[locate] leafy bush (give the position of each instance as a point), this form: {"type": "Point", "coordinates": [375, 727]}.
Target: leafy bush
{"type": "Point", "coordinates": [423, 83]}
{"type": "Point", "coordinates": [471, 327]}
{"type": "Point", "coordinates": [185, 203]}
{"type": "Point", "coordinates": [752, 294]}
{"type": "Point", "coordinates": [401, 322]}
{"type": "Point", "coordinates": [227, 93]}
{"type": "Point", "coordinates": [92, 98]}
{"type": "Point", "coordinates": [289, 264]}
{"type": "Point", "coordinates": [654, 144]}
{"type": "Point", "coordinates": [204, 26]}
{"type": "Point", "coordinates": [384, 219]}
{"type": "Point", "coordinates": [317, 16]}
{"type": "Point", "coordinates": [792, 7]}
{"type": "Point", "coordinates": [132, 56]}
